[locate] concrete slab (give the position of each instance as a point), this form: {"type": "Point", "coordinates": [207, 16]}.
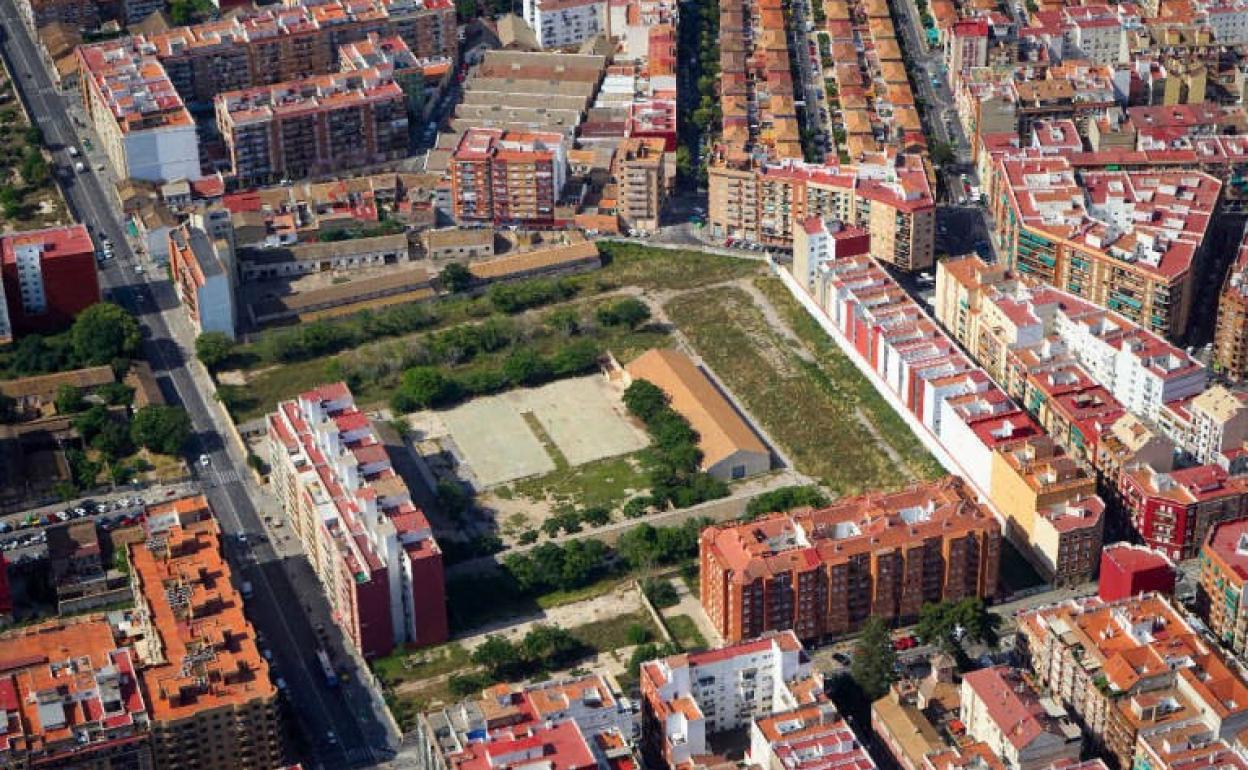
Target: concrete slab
{"type": "Point", "coordinates": [496, 442]}
{"type": "Point", "coordinates": [584, 417]}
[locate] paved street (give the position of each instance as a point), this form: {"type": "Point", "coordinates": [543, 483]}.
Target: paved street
{"type": "Point", "coordinates": [361, 735]}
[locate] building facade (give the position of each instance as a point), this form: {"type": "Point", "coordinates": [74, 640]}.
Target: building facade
{"type": "Point", "coordinates": [823, 573]}
{"type": "Point", "coordinates": [371, 548]}
{"type": "Point", "coordinates": [47, 277]}
{"type": "Point", "coordinates": [203, 276]}
{"type": "Point", "coordinates": [507, 177]}
{"type": "Point", "coordinates": [1030, 732]}
{"type": "Point", "coordinates": [560, 23]}
{"type": "Point", "coordinates": [321, 125]}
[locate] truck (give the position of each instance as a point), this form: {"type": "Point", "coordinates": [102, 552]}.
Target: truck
{"type": "Point", "coordinates": [327, 668]}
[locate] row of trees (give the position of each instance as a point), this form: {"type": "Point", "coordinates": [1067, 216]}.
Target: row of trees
{"type": "Point", "coordinates": [424, 387]}
{"type": "Point", "coordinates": [673, 460]}
{"type": "Point", "coordinates": [103, 334]}
{"type": "Point", "coordinates": [578, 563]}
{"type": "Point", "coordinates": [543, 648]}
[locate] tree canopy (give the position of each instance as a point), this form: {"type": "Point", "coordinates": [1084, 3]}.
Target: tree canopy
{"type": "Point", "coordinates": [213, 348]}
{"type": "Point", "coordinates": [874, 659]}
{"type": "Point", "coordinates": [455, 277]}
{"type": "Point", "coordinates": [161, 428]}
{"type": "Point", "coordinates": [949, 624]}
{"type": "Point", "coordinates": [104, 333]}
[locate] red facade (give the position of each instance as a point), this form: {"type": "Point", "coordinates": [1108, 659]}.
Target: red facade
{"type": "Point", "coordinates": [61, 276]}
{"type": "Point", "coordinates": [1129, 570]}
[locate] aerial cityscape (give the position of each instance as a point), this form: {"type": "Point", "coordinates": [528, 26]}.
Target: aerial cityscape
{"type": "Point", "coordinates": [623, 385]}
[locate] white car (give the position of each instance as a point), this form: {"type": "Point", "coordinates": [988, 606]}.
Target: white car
{"type": "Point", "coordinates": [204, 461]}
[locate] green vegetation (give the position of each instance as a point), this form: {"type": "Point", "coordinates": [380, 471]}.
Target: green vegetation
{"type": "Point", "coordinates": [950, 624]}
{"type": "Point", "coordinates": [28, 199]}
{"type": "Point", "coordinates": [661, 593]}
{"type": "Point", "coordinates": [384, 227]}
{"type": "Point", "coordinates": [811, 415]}
{"type": "Point", "coordinates": [697, 126]}
{"type": "Point", "coordinates": [785, 499]}
{"type": "Point", "coordinates": [840, 377]}
{"type": "Point", "coordinates": [673, 458]}
{"type": "Point", "coordinates": [598, 484]}
{"type": "Point", "coordinates": [213, 349]}
{"type": "Point", "coordinates": [455, 277]}
{"type": "Point", "coordinates": [555, 567]}
{"type": "Point", "coordinates": [874, 659]}
{"type": "Point", "coordinates": [102, 334]}
{"type": "Point", "coordinates": [161, 428]}
{"type": "Point", "coordinates": [685, 632]}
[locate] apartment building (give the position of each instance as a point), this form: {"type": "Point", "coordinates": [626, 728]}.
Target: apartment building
{"type": "Point", "coordinates": [1209, 425]}
{"type": "Point", "coordinates": [47, 277]}
{"type": "Point", "coordinates": [421, 78]}
{"type": "Point", "coordinates": [1173, 511]}
{"type": "Point", "coordinates": [594, 703]}
{"type": "Point", "coordinates": [687, 698]}
{"type": "Point", "coordinates": [561, 23]}
{"type": "Point", "coordinates": [71, 698]}
{"type": "Point", "coordinates": [1223, 573]}
{"type": "Point", "coordinates": [203, 276]}
{"type": "Point", "coordinates": [1187, 747]}
{"type": "Point", "coordinates": [1028, 731]}
{"type": "Point", "coordinates": [818, 241]}
{"type": "Point", "coordinates": [824, 572]}
{"type": "Point", "coordinates": [212, 704]}
{"type": "Point", "coordinates": [1053, 504]}
{"type": "Point", "coordinates": [1230, 336]}
{"type": "Point", "coordinates": [1129, 241]}
{"type": "Point", "coordinates": [320, 125]}
{"type": "Point", "coordinates": [1129, 668]}
{"type": "Point", "coordinates": [639, 169]}
{"type": "Point", "coordinates": [293, 41]}
{"type": "Point", "coordinates": [1020, 329]}
{"type": "Point", "coordinates": [811, 737]}
{"type": "Point", "coordinates": [508, 177]}
{"type": "Point", "coordinates": [370, 547]}
{"type": "Point", "coordinates": [75, 14]}
{"type": "Point", "coordinates": [887, 194]}
{"type": "Point", "coordinates": [143, 125]}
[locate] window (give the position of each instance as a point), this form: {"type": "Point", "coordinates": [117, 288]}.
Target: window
{"type": "Point", "coordinates": [738, 471]}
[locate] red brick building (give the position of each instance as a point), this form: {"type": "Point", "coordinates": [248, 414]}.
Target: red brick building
{"type": "Point", "coordinates": [1129, 570]}
{"type": "Point", "coordinates": [825, 572]}
{"type": "Point", "coordinates": [48, 277]}
{"type": "Point", "coordinates": [508, 177]}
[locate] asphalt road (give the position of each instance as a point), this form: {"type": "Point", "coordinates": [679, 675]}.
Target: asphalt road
{"type": "Point", "coordinates": [361, 736]}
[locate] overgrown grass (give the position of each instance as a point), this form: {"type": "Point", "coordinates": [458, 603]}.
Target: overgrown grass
{"type": "Point", "coordinates": [686, 632]}
{"type": "Point", "coordinates": [612, 633]}
{"type": "Point", "coordinates": [606, 482]}
{"type": "Point", "coordinates": [482, 599]}
{"type": "Point", "coordinates": [811, 416]}
{"type": "Point", "coordinates": [843, 378]}
{"type": "Point", "coordinates": [405, 665]}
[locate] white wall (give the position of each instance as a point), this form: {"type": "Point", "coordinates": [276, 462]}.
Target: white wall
{"type": "Point", "coordinates": [162, 154]}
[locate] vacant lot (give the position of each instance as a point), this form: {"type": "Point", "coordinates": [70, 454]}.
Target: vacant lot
{"type": "Point", "coordinates": [810, 415]}
{"type": "Point", "coordinates": [845, 378]}
{"type": "Point", "coordinates": [535, 431]}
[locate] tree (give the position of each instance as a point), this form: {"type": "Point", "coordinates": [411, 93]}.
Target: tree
{"type": "Point", "coordinates": [942, 153]}
{"type": "Point", "coordinates": [113, 441]}
{"type": "Point", "coordinates": [949, 624]}
{"type": "Point", "coordinates": [456, 277]}
{"type": "Point", "coordinates": [626, 312]}
{"type": "Point", "coordinates": [874, 658]}
{"type": "Point", "coordinates": [69, 400]}
{"type": "Point", "coordinates": [565, 320]}
{"type": "Point", "coordinates": [424, 387]}
{"type": "Point", "coordinates": [644, 400]}
{"type": "Point", "coordinates": [786, 499]}
{"type": "Point", "coordinates": [213, 349]}
{"type": "Point", "coordinates": [596, 515]}
{"type": "Point", "coordinates": [638, 634]}
{"type": "Point", "coordinates": [161, 428]}
{"type": "Point", "coordinates": [116, 393]}
{"type": "Point", "coordinates": [90, 423]}
{"type": "Point", "coordinates": [526, 367]}
{"type": "Point", "coordinates": [103, 333]}
{"type": "Point", "coordinates": [10, 202]}
{"type": "Point", "coordinates": [498, 655]}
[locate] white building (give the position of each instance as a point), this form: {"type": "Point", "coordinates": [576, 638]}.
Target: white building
{"type": "Point", "coordinates": [1026, 731]}
{"type": "Point", "coordinates": [1216, 420]}
{"type": "Point", "coordinates": [699, 694]}
{"type": "Point", "coordinates": [560, 23]}
{"type": "Point", "coordinates": [1140, 369]}
{"type": "Point", "coordinates": [203, 279]}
